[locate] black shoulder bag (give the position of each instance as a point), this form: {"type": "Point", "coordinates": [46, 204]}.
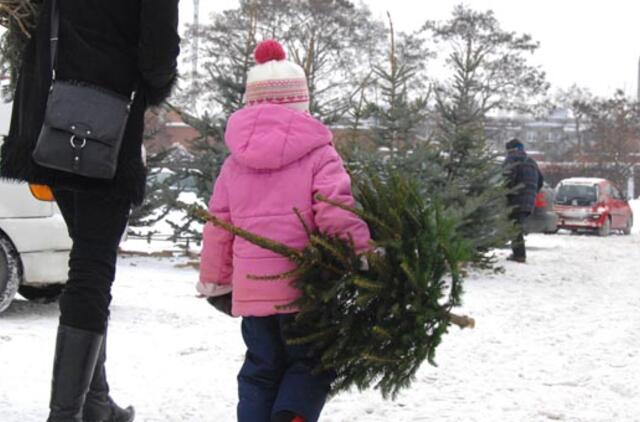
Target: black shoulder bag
{"type": "Point", "coordinates": [83, 125]}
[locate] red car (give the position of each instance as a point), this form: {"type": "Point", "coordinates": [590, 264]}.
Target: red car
{"type": "Point", "coordinates": [592, 204]}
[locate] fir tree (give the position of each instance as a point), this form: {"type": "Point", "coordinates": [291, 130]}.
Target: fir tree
{"type": "Point", "coordinates": [195, 169]}
{"type": "Point", "coordinates": [398, 116]}
{"type": "Point", "coordinates": [492, 62]}
{"type": "Point", "coordinates": [19, 17]}
{"type": "Point", "coordinates": [375, 325]}
{"type": "Point", "coordinates": [400, 113]}
{"type": "Point", "coordinates": [490, 72]}
{"type": "Point", "coordinates": [160, 197]}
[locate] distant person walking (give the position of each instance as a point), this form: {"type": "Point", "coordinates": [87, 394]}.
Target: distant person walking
{"type": "Point", "coordinates": [126, 51]}
{"type": "Point", "coordinates": [524, 179]}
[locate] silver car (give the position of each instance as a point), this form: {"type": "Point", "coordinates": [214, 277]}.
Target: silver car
{"type": "Point", "coordinates": [543, 219]}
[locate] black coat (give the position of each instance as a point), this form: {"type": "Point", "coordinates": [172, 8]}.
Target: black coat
{"type": "Point", "coordinates": [524, 177]}
{"type": "Point", "coordinates": [121, 45]}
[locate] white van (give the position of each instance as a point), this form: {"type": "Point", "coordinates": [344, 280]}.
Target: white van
{"type": "Point", "coordinates": [34, 242]}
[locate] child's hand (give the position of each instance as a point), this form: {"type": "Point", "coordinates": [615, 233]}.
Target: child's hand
{"type": "Point", "coordinates": [364, 263]}
{"type": "Point", "coordinates": [364, 260]}
{"type": "Point", "coordinates": [221, 303]}
{"type": "Point", "coordinates": [218, 295]}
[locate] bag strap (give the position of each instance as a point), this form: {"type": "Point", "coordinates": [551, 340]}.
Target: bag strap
{"type": "Point", "coordinates": [55, 33]}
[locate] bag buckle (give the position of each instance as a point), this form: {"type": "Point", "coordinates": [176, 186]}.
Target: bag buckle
{"type": "Point", "coordinates": [75, 146]}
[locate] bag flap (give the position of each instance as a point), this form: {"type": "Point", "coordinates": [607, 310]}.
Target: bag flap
{"type": "Point", "coordinates": [87, 112]}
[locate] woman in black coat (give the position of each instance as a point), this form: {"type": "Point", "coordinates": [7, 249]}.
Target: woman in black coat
{"type": "Point", "coordinates": [123, 46]}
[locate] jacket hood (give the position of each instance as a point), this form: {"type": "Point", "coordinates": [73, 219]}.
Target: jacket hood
{"type": "Point", "coordinates": [269, 136]}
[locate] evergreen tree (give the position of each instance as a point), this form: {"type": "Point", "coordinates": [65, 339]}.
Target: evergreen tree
{"type": "Point", "coordinates": [491, 61]}
{"type": "Point", "coordinates": [162, 191]}
{"type": "Point", "coordinates": [397, 112]}
{"type": "Point", "coordinates": [376, 324]}
{"type": "Point", "coordinates": [19, 17]}
{"type": "Point", "coordinates": [490, 72]}
{"type": "Point", "coordinates": [196, 169]}
{"type": "Point", "coordinates": [400, 114]}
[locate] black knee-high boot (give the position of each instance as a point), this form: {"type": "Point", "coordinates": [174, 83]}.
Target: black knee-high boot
{"type": "Point", "coordinates": [99, 406]}
{"type": "Point", "coordinates": [73, 366]}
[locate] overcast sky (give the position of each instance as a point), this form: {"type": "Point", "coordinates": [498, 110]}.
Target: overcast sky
{"type": "Point", "coordinates": [593, 43]}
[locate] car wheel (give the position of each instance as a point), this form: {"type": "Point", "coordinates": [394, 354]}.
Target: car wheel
{"type": "Point", "coordinates": [629, 226]}
{"type": "Point", "coordinates": [10, 274]}
{"type": "Point", "coordinates": [45, 294]}
{"type": "Point", "coordinates": [605, 229]}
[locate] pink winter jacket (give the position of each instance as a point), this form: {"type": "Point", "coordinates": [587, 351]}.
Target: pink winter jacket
{"type": "Point", "coordinates": [280, 159]}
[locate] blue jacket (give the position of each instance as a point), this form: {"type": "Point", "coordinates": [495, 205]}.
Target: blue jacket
{"type": "Point", "coordinates": [523, 177]}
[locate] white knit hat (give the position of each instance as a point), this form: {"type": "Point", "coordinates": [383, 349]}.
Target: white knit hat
{"type": "Point", "coordinates": [275, 80]}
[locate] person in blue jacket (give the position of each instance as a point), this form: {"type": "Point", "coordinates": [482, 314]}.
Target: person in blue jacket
{"type": "Point", "coordinates": [524, 180]}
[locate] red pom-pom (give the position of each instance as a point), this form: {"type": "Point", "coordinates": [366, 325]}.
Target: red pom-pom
{"type": "Point", "coordinates": [269, 50]}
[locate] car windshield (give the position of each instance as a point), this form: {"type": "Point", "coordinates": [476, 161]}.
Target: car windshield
{"type": "Point", "coordinates": [580, 195]}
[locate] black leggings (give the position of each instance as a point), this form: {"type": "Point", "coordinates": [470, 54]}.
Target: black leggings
{"type": "Point", "coordinates": [96, 224]}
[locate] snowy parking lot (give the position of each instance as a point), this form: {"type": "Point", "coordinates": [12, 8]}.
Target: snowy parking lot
{"type": "Point", "coordinates": [556, 340]}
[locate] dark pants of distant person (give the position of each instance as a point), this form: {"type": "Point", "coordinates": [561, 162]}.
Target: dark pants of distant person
{"type": "Point", "coordinates": [517, 243]}
{"type": "Point", "coordinates": [96, 224]}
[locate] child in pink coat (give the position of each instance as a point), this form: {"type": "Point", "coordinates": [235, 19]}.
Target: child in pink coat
{"type": "Point", "coordinates": [281, 158]}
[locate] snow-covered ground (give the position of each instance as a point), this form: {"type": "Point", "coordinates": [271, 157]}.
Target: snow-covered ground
{"type": "Point", "coordinates": [556, 340]}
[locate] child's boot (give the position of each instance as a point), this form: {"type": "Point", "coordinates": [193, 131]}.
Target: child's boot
{"type": "Point", "coordinates": [286, 416]}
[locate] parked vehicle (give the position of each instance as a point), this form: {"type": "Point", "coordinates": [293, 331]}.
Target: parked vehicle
{"type": "Point", "coordinates": [592, 204]}
{"type": "Point", "coordinates": [543, 219]}
{"type": "Point", "coordinates": [34, 243]}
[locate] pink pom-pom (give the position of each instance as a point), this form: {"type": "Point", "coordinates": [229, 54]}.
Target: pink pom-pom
{"type": "Point", "coordinates": [269, 50]}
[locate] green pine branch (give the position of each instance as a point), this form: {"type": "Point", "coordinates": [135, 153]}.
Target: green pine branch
{"type": "Point", "coordinates": [375, 326]}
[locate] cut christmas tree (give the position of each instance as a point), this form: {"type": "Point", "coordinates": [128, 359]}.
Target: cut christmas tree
{"type": "Point", "coordinates": [374, 317]}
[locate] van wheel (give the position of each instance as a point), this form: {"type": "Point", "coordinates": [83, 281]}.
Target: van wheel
{"type": "Point", "coordinates": [10, 274]}
{"type": "Point", "coordinates": [628, 227]}
{"type": "Point", "coordinates": [44, 294]}
{"type": "Point", "coordinates": [605, 229]}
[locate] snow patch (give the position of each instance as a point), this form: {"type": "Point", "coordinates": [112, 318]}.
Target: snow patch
{"type": "Point", "coordinates": [556, 339]}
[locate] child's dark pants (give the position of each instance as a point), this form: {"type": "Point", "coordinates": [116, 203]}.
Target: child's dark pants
{"type": "Point", "coordinates": [276, 376]}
